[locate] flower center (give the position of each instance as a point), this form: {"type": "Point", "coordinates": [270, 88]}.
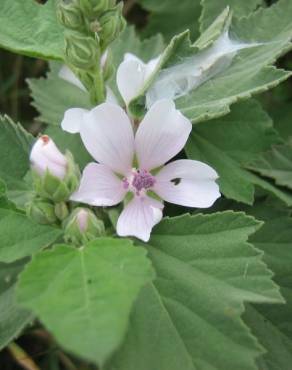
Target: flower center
{"type": "Point", "coordinates": [139, 181]}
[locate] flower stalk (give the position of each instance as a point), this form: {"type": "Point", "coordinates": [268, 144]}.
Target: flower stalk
{"type": "Point", "coordinates": [90, 26]}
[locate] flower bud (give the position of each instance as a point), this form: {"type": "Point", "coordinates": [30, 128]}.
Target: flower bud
{"type": "Point", "coordinates": [56, 176]}
{"type": "Point", "coordinates": [61, 211]}
{"type": "Point", "coordinates": [81, 51]}
{"type": "Point", "coordinates": [41, 211]}
{"type": "Point", "coordinates": [111, 24]}
{"type": "Point", "coordinates": [83, 226]}
{"type": "Point", "coordinates": [45, 156]}
{"type": "Point", "coordinates": [70, 15]}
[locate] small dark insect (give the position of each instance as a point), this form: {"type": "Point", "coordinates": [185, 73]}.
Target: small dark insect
{"type": "Point", "coordinates": [176, 181]}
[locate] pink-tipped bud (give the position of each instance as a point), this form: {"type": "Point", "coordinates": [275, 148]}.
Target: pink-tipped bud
{"type": "Point", "coordinates": [82, 219]}
{"type": "Point", "coordinates": [83, 226]}
{"type": "Point", "coordinates": [46, 156]}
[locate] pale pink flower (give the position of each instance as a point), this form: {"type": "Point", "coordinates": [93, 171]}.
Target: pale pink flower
{"type": "Point", "coordinates": [129, 163]}
{"type": "Point", "coordinates": [45, 156]}
{"type": "Point", "coordinates": [132, 74]}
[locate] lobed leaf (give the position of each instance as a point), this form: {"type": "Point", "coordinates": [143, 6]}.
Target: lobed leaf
{"type": "Point", "coordinates": [32, 29]}
{"type": "Point", "coordinates": [190, 317]}
{"type": "Point", "coordinates": [13, 318]}
{"type": "Point", "coordinates": [275, 164]}
{"type": "Point", "coordinates": [86, 293]}
{"type": "Point", "coordinates": [21, 237]}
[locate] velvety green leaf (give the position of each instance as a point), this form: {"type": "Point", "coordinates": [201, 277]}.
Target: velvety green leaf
{"type": "Point", "coordinates": [84, 296]}
{"type": "Point", "coordinates": [129, 42]}
{"type": "Point", "coordinates": [190, 318]}
{"type": "Point", "coordinates": [170, 18]}
{"type": "Point", "coordinates": [229, 142]}
{"type": "Point", "coordinates": [52, 96]}
{"type": "Point", "coordinates": [282, 117]}
{"type": "Point", "coordinates": [15, 145]}
{"type": "Point", "coordinates": [212, 8]}
{"type": "Point", "coordinates": [276, 164]}
{"type": "Point", "coordinates": [21, 237]}
{"type": "Point", "coordinates": [13, 318]}
{"type": "Point", "coordinates": [249, 72]}
{"type": "Point", "coordinates": [272, 324]}
{"type": "Point", "coordinates": [29, 28]}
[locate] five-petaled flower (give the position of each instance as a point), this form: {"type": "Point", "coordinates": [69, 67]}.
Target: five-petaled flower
{"type": "Point", "coordinates": [132, 164]}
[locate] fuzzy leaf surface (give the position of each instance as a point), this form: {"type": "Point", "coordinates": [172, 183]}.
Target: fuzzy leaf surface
{"type": "Point", "coordinates": [190, 317]}
{"type": "Point", "coordinates": [272, 324]}
{"type": "Point", "coordinates": [212, 8]}
{"type": "Point", "coordinates": [52, 96]}
{"type": "Point", "coordinates": [21, 237]}
{"type": "Point", "coordinates": [13, 318]}
{"type": "Point", "coordinates": [86, 293]}
{"type": "Point", "coordinates": [32, 29]}
{"type": "Point", "coordinates": [168, 18]}
{"type": "Point", "coordinates": [276, 164]}
{"type": "Point", "coordinates": [229, 143]}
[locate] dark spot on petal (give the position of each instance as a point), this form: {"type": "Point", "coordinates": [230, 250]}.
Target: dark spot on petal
{"type": "Point", "coordinates": [176, 181]}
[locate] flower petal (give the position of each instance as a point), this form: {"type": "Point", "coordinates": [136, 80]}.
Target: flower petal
{"type": "Point", "coordinates": [108, 136]}
{"type": "Point", "coordinates": [187, 183]}
{"type": "Point", "coordinates": [161, 135]}
{"type": "Point", "coordinates": [99, 187]}
{"type": "Point", "coordinates": [131, 76]}
{"type": "Point", "coordinates": [139, 217]}
{"type": "Point", "coordinates": [73, 119]}
{"type": "Point", "coordinates": [66, 74]}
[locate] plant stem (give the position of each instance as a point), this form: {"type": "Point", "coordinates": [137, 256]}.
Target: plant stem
{"type": "Point", "coordinates": [21, 357]}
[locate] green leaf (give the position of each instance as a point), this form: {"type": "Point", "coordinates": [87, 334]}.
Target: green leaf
{"type": "Point", "coordinates": [277, 344]}
{"type": "Point", "coordinates": [52, 96]}
{"type": "Point", "coordinates": [273, 324]}
{"type": "Point", "coordinates": [276, 164]}
{"type": "Point", "coordinates": [166, 18]}
{"type": "Point", "coordinates": [21, 237]}
{"type": "Point", "coordinates": [250, 72]}
{"type": "Point", "coordinates": [32, 29]}
{"type": "Point", "coordinates": [212, 8]}
{"type": "Point", "coordinates": [84, 296]}
{"type": "Point", "coordinates": [229, 142]}
{"type": "Point", "coordinates": [13, 318]}
{"type": "Point", "coordinates": [15, 145]}
{"type": "Point", "coordinates": [190, 318]}
{"type": "Point", "coordinates": [129, 42]}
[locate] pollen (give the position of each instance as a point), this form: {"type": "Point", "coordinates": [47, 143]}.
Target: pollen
{"type": "Point", "coordinates": [142, 180]}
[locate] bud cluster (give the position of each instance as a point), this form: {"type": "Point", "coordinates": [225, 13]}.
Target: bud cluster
{"type": "Point", "coordinates": [91, 25]}
{"type": "Point", "coordinates": [55, 178]}
{"type": "Point", "coordinates": [83, 226]}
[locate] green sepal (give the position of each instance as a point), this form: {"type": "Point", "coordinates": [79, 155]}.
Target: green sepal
{"type": "Point", "coordinates": [81, 51]}
{"type": "Point", "coordinates": [73, 232]}
{"type": "Point", "coordinates": [58, 190]}
{"type": "Point", "coordinates": [61, 211]}
{"type": "Point", "coordinates": [42, 211]}
{"type": "Point", "coordinates": [112, 24]}
{"type": "Point", "coordinates": [70, 15]}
